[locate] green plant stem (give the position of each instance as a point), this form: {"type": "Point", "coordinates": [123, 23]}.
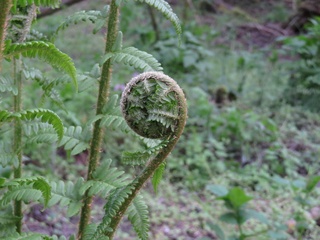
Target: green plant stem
{"type": "Point", "coordinates": [4, 18]}
{"type": "Point", "coordinates": [148, 171]}
{"type": "Point", "coordinates": [17, 138]}
{"type": "Point", "coordinates": [104, 89]}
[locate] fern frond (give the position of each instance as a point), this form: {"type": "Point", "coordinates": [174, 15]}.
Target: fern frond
{"type": "Point", "coordinates": [141, 157]}
{"type": "Point", "coordinates": [75, 139]}
{"type": "Point", "coordinates": [43, 3]}
{"type": "Point", "coordinates": [116, 198]}
{"type": "Point", "coordinates": [7, 85]}
{"type": "Point", "coordinates": [34, 35]}
{"type": "Point", "coordinates": [157, 176]}
{"type": "Point", "coordinates": [105, 179]}
{"type": "Point", "coordinates": [17, 193]}
{"type": "Point", "coordinates": [29, 236]}
{"type": "Point", "coordinates": [66, 195]}
{"type": "Point", "coordinates": [8, 158]}
{"type": "Point", "coordinates": [138, 216]}
{"type": "Point", "coordinates": [134, 57]}
{"type": "Point", "coordinates": [39, 132]}
{"type": "Point", "coordinates": [8, 219]}
{"type": "Point", "coordinates": [45, 115]}
{"type": "Point", "coordinates": [165, 8]}
{"type": "Point", "coordinates": [95, 17]}
{"type": "Point", "coordinates": [6, 116]}
{"type": "Point", "coordinates": [45, 51]}
{"type": "Point", "coordinates": [21, 193]}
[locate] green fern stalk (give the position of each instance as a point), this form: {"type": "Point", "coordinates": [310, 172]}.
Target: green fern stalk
{"type": "Point", "coordinates": [172, 137]}
{"type": "Point", "coordinates": [17, 138]}
{"type": "Point", "coordinates": [104, 89]}
{"type": "Point", "coordinates": [4, 17]}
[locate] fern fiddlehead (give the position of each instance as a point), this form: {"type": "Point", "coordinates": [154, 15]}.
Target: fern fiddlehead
{"type": "Point", "coordinates": [154, 106]}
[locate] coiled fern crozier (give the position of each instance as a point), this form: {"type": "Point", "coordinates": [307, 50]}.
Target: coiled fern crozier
{"type": "Point", "coordinates": [154, 106]}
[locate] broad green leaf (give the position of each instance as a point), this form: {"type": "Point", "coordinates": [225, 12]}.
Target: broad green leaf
{"type": "Point", "coordinates": [217, 190]}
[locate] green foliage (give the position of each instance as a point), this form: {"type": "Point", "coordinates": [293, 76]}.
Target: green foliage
{"type": "Point", "coordinates": [44, 3]}
{"type": "Point", "coordinates": [6, 85]}
{"type": "Point", "coordinates": [44, 115]}
{"type": "Point", "coordinates": [235, 200]}
{"type": "Point", "coordinates": [164, 7]}
{"type": "Point", "coordinates": [95, 17]}
{"type": "Point", "coordinates": [159, 112]}
{"type": "Point", "coordinates": [157, 176]}
{"type": "Point", "coordinates": [67, 194]}
{"type": "Point", "coordinates": [112, 117]}
{"type": "Point", "coordinates": [26, 189]}
{"type": "Point", "coordinates": [304, 84]}
{"type": "Point", "coordinates": [115, 200]}
{"type": "Point", "coordinates": [141, 157]}
{"type": "Point", "coordinates": [134, 57]}
{"type": "Point", "coordinates": [45, 51]}
{"type": "Point", "coordinates": [75, 139]}
{"type": "Point", "coordinates": [138, 216]}
{"type": "Point", "coordinates": [105, 180]}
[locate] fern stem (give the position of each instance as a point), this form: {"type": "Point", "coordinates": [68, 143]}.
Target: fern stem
{"type": "Point", "coordinates": [104, 88]}
{"type": "Point", "coordinates": [151, 167]}
{"type": "Point", "coordinates": [17, 138]}
{"type": "Point", "coordinates": [4, 18]}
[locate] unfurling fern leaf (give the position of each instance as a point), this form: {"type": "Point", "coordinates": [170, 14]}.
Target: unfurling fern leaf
{"type": "Point", "coordinates": [75, 139]}
{"type": "Point", "coordinates": [115, 200]}
{"type": "Point", "coordinates": [138, 216]}
{"type": "Point", "coordinates": [67, 195]}
{"type": "Point", "coordinates": [7, 85]}
{"type": "Point", "coordinates": [105, 179]}
{"type": "Point", "coordinates": [164, 7]}
{"type": "Point", "coordinates": [134, 57]}
{"type": "Point", "coordinates": [45, 115]}
{"type": "Point", "coordinates": [45, 51]}
{"type": "Point", "coordinates": [26, 189]}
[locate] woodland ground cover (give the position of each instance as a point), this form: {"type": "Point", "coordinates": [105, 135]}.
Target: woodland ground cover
{"type": "Point", "coordinates": [247, 166]}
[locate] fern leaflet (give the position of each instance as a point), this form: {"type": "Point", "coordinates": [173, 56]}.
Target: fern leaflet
{"type": "Point", "coordinates": [19, 186]}
{"type": "Point", "coordinates": [141, 157]}
{"type": "Point", "coordinates": [45, 115]}
{"type": "Point", "coordinates": [44, 3]}
{"type": "Point", "coordinates": [138, 216]}
{"type": "Point", "coordinates": [105, 179]}
{"type": "Point", "coordinates": [115, 200]}
{"type": "Point", "coordinates": [112, 116]}
{"type": "Point", "coordinates": [157, 176]}
{"type": "Point", "coordinates": [75, 139]}
{"type": "Point", "coordinates": [8, 158]}
{"type": "Point", "coordinates": [29, 236]}
{"type": "Point", "coordinates": [47, 52]}
{"type": "Point", "coordinates": [7, 85]}
{"type": "Point", "coordinates": [165, 8]}
{"type": "Point", "coordinates": [67, 195]}
{"type": "Point", "coordinates": [95, 17]}
{"type": "Point", "coordinates": [134, 57]}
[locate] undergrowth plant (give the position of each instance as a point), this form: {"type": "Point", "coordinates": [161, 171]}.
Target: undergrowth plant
{"type": "Point", "coordinates": [153, 109]}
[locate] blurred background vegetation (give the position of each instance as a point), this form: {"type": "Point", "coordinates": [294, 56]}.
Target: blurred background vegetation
{"type": "Point", "coordinates": [247, 166]}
